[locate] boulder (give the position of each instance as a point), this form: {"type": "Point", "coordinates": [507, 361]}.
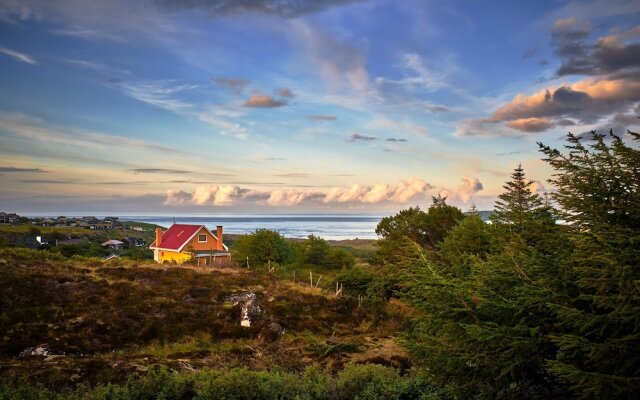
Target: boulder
{"type": "Point", "coordinates": [271, 332]}
{"type": "Point", "coordinates": [41, 350]}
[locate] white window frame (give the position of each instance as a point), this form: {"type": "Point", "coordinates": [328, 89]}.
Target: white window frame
{"type": "Point", "coordinates": [205, 238]}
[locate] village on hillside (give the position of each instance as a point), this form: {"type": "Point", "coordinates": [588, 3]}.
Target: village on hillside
{"type": "Point", "coordinates": [106, 237]}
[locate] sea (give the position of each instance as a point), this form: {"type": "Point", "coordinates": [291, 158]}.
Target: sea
{"type": "Point", "coordinates": [326, 226]}
{"type": "Point", "coordinates": [329, 227]}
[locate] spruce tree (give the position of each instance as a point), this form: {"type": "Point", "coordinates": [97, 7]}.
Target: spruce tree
{"type": "Point", "coordinates": [599, 330]}
{"type": "Point", "coordinates": [518, 205]}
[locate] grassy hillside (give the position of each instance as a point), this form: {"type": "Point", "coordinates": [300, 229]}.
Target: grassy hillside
{"type": "Point", "coordinates": [105, 322]}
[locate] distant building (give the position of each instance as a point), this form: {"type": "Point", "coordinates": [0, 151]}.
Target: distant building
{"type": "Point", "coordinates": [181, 243]}
{"type": "Point", "coordinates": [138, 229]}
{"type": "Point", "coordinates": [102, 225]}
{"type": "Point", "coordinates": [71, 242]}
{"type": "Point", "coordinates": [113, 244]}
{"type": "Point", "coordinates": [134, 242]}
{"type": "Point", "coordinates": [9, 218]}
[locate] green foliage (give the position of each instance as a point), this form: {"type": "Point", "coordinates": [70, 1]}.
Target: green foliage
{"type": "Point", "coordinates": [354, 382]}
{"type": "Point", "coordinates": [262, 246]}
{"type": "Point", "coordinates": [526, 308]}
{"type": "Point", "coordinates": [84, 249]}
{"type": "Point", "coordinates": [372, 382]}
{"type": "Point", "coordinates": [399, 232]}
{"type": "Point", "coordinates": [339, 258]}
{"type": "Point", "coordinates": [138, 253]}
{"type": "Point", "coordinates": [316, 252]}
{"type": "Point", "coordinates": [356, 281]}
{"type": "Point", "coordinates": [599, 337]}
{"type": "Point", "coordinates": [467, 242]}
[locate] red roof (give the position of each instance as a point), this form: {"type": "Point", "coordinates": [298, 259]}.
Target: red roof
{"type": "Point", "coordinates": [177, 235]}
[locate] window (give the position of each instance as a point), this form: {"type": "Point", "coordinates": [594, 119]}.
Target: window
{"type": "Point", "coordinates": [202, 238]}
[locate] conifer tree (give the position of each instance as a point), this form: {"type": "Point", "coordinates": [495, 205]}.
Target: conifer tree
{"type": "Point", "coordinates": [598, 192]}
{"type": "Point", "coordinates": [518, 205]}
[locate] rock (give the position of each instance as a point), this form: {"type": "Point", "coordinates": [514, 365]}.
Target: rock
{"type": "Point", "coordinates": [272, 332]}
{"type": "Point", "coordinates": [249, 308]}
{"type": "Point", "coordinates": [41, 350]}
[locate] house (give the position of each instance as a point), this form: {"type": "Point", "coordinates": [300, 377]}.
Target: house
{"type": "Point", "coordinates": [101, 225]}
{"type": "Point", "coordinates": [113, 244]}
{"type": "Point", "coordinates": [134, 242]}
{"type": "Point", "coordinates": [182, 242]}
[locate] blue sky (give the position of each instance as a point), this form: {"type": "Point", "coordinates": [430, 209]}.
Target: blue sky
{"type": "Point", "coordinates": [163, 106]}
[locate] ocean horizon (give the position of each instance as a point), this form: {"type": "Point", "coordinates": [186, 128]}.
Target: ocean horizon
{"type": "Point", "coordinates": [326, 226]}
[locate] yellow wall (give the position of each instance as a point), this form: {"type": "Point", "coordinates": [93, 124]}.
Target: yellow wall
{"type": "Point", "coordinates": [173, 256]}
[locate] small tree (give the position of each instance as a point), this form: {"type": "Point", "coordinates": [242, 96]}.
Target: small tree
{"type": "Point", "coordinates": [518, 205]}
{"type": "Point", "coordinates": [316, 250]}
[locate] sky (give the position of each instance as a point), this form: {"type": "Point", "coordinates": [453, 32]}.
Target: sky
{"type": "Point", "coordinates": [300, 106]}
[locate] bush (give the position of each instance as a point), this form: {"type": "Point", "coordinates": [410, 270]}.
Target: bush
{"type": "Point", "coordinates": [354, 382]}
{"type": "Point", "coordinates": [262, 246]}
{"type": "Point", "coordinates": [356, 281]}
{"type": "Point", "coordinates": [372, 382]}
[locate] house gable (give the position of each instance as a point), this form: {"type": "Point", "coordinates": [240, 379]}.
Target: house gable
{"type": "Point", "coordinates": [194, 241]}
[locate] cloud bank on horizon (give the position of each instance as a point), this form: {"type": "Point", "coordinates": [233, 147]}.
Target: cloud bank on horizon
{"type": "Point", "coordinates": [219, 105]}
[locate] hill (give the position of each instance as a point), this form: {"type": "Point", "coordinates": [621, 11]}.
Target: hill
{"type": "Point", "coordinates": [98, 323]}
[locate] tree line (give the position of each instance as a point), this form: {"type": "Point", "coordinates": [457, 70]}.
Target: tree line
{"type": "Point", "coordinates": [543, 301]}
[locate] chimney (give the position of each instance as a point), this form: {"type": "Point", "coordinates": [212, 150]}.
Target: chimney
{"type": "Point", "coordinates": [219, 235]}
{"type": "Point", "coordinates": [158, 236]}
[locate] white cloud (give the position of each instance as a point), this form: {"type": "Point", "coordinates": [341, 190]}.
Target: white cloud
{"type": "Point", "coordinates": [288, 197]}
{"type": "Point", "coordinates": [469, 187]}
{"type": "Point", "coordinates": [215, 194]}
{"type": "Point", "coordinates": [405, 191]}
{"type": "Point", "coordinates": [176, 197]}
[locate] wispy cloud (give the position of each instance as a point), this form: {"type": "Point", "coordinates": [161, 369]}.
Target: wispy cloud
{"type": "Point", "coordinates": [34, 129]}
{"type": "Point", "coordinates": [47, 181]}
{"type": "Point", "coordinates": [282, 8]}
{"type": "Point", "coordinates": [356, 137]}
{"type": "Point", "coordinates": [16, 55]}
{"type": "Point", "coordinates": [164, 95]}
{"type": "Point", "coordinates": [294, 175]}
{"type": "Point", "coordinates": [322, 118]}
{"type": "Point", "coordinates": [158, 171]}
{"type": "Point", "coordinates": [97, 66]}
{"type": "Point", "coordinates": [17, 169]}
